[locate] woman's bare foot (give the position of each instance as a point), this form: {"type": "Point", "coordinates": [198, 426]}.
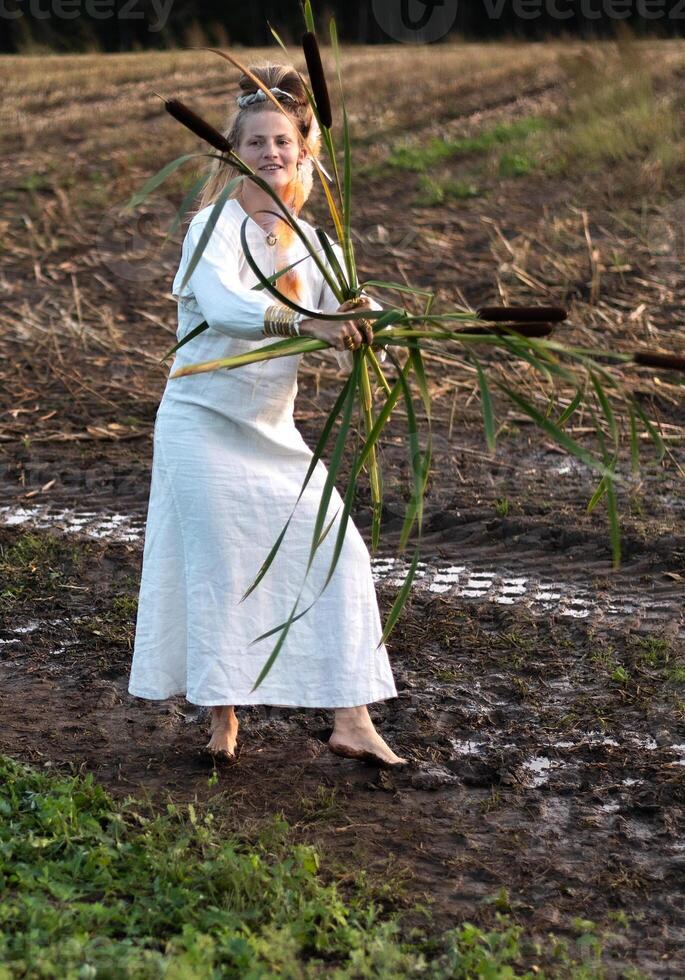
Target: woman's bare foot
{"type": "Point", "coordinates": [355, 737]}
{"type": "Point", "coordinates": [224, 731]}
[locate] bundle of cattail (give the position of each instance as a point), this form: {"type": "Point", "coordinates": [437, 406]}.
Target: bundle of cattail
{"type": "Point", "coordinates": [671, 362]}
{"type": "Point", "coordinates": [523, 314]}
{"type": "Point", "coordinates": [197, 125]}
{"type": "Point", "coordinates": [312, 56]}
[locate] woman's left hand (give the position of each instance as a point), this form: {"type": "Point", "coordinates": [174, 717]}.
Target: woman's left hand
{"type": "Point", "coordinates": [362, 326]}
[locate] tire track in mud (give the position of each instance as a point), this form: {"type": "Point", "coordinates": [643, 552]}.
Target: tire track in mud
{"type": "Point", "coordinates": [543, 585]}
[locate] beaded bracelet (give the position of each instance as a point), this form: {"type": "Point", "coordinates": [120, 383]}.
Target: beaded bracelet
{"type": "Point", "coordinates": [279, 321]}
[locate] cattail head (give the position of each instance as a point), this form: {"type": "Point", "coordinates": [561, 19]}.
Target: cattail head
{"type": "Point", "coordinates": [316, 76]}
{"type": "Point", "coordinates": [523, 314]}
{"type": "Point", "coordinates": [197, 125]}
{"type": "Point", "coordinates": [671, 362]}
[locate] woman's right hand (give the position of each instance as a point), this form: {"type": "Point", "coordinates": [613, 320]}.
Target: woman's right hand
{"type": "Point", "coordinates": [336, 332]}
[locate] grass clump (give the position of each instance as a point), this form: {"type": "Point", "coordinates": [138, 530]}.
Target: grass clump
{"type": "Point", "coordinates": [31, 564]}
{"type": "Point", "coordinates": [421, 158]}
{"type": "Point", "coordinates": [90, 888]}
{"type": "Point", "coordinates": [436, 191]}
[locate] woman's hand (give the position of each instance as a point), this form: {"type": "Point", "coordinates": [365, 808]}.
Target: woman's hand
{"type": "Point", "coordinates": [337, 332]}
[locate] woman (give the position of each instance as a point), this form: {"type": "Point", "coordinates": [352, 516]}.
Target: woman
{"type": "Point", "coordinates": [228, 464]}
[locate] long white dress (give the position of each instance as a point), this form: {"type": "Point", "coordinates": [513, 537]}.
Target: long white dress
{"type": "Point", "coordinates": [228, 464]}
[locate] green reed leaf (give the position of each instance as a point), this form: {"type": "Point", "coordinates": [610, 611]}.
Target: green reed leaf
{"type": "Point", "coordinates": [200, 328]}
{"type": "Point", "coordinates": [655, 436]}
{"type": "Point", "coordinates": [334, 466]}
{"type": "Point", "coordinates": [400, 600]}
{"type": "Point", "coordinates": [597, 495]}
{"type": "Point", "coordinates": [374, 471]}
{"type": "Point", "coordinates": [188, 199]}
{"type": "Point", "coordinates": [554, 431]}
{"type": "Point", "coordinates": [153, 183]}
{"type": "Point", "coordinates": [332, 260]}
{"type": "Point", "coordinates": [397, 286]}
{"type": "Point", "coordinates": [573, 405]}
{"type": "Point", "coordinates": [208, 228]}
{"type": "Point", "coordinates": [486, 407]}
{"type": "Point", "coordinates": [606, 407]}
{"type": "Point", "coordinates": [321, 444]}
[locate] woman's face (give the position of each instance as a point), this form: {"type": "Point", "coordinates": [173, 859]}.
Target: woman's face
{"type": "Point", "coordinates": [269, 144]}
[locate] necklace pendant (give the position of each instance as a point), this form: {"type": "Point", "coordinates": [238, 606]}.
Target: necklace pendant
{"type": "Point", "coordinates": [271, 239]}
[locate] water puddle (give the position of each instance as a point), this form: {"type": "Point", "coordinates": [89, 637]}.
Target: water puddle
{"type": "Point", "coordinates": [11, 644]}
{"type": "Point", "coordinates": [537, 770]}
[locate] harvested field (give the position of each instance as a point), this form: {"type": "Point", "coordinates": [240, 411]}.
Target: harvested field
{"type": "Point", "coordinates": [541, 693]}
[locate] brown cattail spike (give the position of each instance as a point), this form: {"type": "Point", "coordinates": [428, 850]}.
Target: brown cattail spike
{"type": "Point", "coordinates": [671, 362]}
{"type": "Point", "coordinates": [195, 124]}
{"type": "Point", "coordinates": [312, 56]}
{"type": "Point", "coordinates": [523, 314]}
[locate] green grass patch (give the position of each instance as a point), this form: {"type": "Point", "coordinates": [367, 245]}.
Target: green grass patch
{"type": "Point", "coordinates": [436, 191]}
{"type": "Point", "coordinates": [33, 564]}
{"type": "Point", "coordinates": [419, 158]}
{"type": "Point", "coordinates": [90, 887]}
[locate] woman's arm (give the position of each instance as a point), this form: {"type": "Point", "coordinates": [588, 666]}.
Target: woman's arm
{"type": "Point", "coordinates": [225, 303]}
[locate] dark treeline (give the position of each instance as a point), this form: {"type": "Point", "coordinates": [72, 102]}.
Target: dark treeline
{"type": "Point", "coordinates": [129, 25]}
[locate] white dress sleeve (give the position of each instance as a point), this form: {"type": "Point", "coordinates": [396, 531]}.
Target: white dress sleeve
{"type": "Point", "coordinates": [225, 303]}
{"type": "Point", "coordinates": [328, 303]}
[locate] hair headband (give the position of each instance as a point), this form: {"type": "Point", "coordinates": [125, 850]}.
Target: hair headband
{"type": "Point", "coordinates": [259, 96]}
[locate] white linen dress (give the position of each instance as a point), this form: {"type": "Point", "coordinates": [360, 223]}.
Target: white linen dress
{"type": "Point", "coordinates": [228, 464]}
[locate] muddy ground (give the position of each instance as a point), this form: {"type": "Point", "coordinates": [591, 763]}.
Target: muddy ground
{"type": "Point", "coordinates": [541, 694]}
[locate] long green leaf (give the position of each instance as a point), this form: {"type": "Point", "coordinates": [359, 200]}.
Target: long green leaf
{"type": "Point", "coordinates": [200, 328]}
{"type": "Point", "coordinates": [606, 408]}
{"type": "Point", "coordinates": [419, 462]}
{"type": "Point", "coordinates": [597, 495]}
{"type": "Point", "coordinates": [316, 456]}
{"type": "Point", "coordinates": [656, 438]}
{"type": "Point", "coordinates": [322, 510]}
{"type": "Point", "coordinates": [396, 286]}
{"type": "Point", "coordinates": [400, 600]}
{"type": "Point", "coordinates": [486, 407]}
{"type": "Point", "coordinates": [289, 347]}
{"type": "Point", "coordinates": [554, 431]}
{"type": "Point", "coordinates": [278, 647]}
{"type": "Point", "coordinates": [374, 471]}
{"type": "Point", "coordinates": [571, 407]}
{"type": "Point", "coordinates": [188, 199]}
{"type": "Point", "coordinates": [159, 178]}
{"type": "Point", "coordinates": [332, 260]}
{"type": "Point", "coordinates": [208, 228]}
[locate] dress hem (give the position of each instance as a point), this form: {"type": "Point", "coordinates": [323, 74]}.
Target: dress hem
{"type": "Point", "coordinates": [274, 703]}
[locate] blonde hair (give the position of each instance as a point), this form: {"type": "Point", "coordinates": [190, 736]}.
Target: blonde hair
{"type": "Point", "coordinates": [300, 114]}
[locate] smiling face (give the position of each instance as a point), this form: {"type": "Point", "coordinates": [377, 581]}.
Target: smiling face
{"type": "Point", "coordinates": [269, 144]}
